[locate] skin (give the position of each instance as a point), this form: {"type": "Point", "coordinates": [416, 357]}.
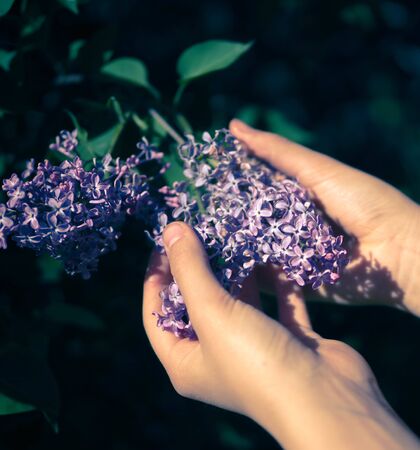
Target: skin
{"type": "Point", "coordinates": [308, 392]}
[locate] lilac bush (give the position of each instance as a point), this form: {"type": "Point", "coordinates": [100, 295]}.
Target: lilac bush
{"type": "Point", "coordinates": [244, 212]}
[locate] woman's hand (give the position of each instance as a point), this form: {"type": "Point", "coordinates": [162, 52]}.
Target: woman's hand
{"type": "Point", "coordinates": [385, 265]}
{"type": "Point", "coordinates": [308, 392]}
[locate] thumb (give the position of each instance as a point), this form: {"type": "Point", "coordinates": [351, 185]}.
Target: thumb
{"type": "Point", "coordinates": [202, 293]}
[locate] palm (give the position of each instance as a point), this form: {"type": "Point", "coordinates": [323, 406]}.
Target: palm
{"type": "Point", "coordinates": [379, 218]}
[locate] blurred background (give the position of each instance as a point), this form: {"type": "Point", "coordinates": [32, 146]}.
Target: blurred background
{"type": "Point", "coordinates": [342, 77]}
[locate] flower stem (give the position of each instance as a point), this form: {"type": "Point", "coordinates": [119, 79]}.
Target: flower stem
{"type": "Point", "coordinates": [165, 125]}
{"type": "Point", "coordinates": [179, 93]}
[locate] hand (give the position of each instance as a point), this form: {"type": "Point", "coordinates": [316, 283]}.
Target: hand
{"type": "Point", "coordinates": [308, 392]}
{"type": "Point", "coordinates": [385, 264]}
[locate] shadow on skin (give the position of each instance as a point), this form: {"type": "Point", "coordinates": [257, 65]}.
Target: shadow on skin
{"type": "Point", "coordinates": [158, 267]}
{"type": "Point", "coordinates": [288, 311]}
{"type": "Point", "coordinates": [364, 282]}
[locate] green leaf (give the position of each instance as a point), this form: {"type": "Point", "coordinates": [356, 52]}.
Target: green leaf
{"type": "Point", "coordinates": [70, 5]}
{"type": "Point", "coordinates": [10, 406]}
{"type": "Point", "coordinates": [116, 106]}
{"type": "Point", "coordinates": [26, 378]}
{"type": "Point", "coordinates": [83, 149]}
{"type": "Point", "coordinates": [142, 124]}
{"type": "Point", "coordinates": [207, 57]}
{"type": "Point", "coordinates": [99, 145]}
{"type": "Point", "coordinates": [33, 25]}
{"type": "Point", "coordinates": [74, 48]}
{"type": "Point", "coordinates": [129, 70]}
{"type": "Point", "coordinates": [176, 169]}
{"type": "Point", "coordinates": [6, 58]}
{"type": "Point", "coordinates": [278, 123]}
{"type": "Point", "coordinates": [5, 6]}
{"type": "Point", "coordinates": [105, 142]}
{"type": "Point", "coordinates": [67, 314]}
{"type": "Point", "coordinates": [183, 123]}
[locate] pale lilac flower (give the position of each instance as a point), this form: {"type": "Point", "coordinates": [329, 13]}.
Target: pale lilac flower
{"type": "Point", "coordinates": [65, 143]}
{"type": "Point", "coordinates": [297, 228]}
{"type": "Point", "coordinates": [261, 208]}
{"type": "Point", "coordinates": [301, 257]}
{"type": "Point", "coordinates": [30, 217]}
{"type": "Point", "coordinates": [3, 242]}
{"type": "Point", "coordinates": [185, 208]}
{"type": "Point", "coordinates": [5, 221]}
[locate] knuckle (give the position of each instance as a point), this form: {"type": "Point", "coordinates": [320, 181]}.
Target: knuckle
{"type": "Point", "coordinates": [225, 301]}
{"type": "Point", "coordinates": [236, 308]}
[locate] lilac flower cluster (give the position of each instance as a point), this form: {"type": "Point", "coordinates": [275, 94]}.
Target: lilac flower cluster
{"type": "Point", "coordinates": [73, 213]}
{"type": "Point", "coordinates": [245, 214]}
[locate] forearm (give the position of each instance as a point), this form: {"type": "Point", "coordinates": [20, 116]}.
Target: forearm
{"type": "Point", "coordinates": [347, 430]}
{"type": "Point", "coordinates": [346, 423]}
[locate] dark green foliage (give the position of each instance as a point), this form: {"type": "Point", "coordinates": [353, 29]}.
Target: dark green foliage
{"type": "Point", "coordinates": [342, 77]}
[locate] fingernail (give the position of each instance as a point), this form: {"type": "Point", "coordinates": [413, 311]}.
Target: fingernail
{"type": "Point", "coordinates": [172, 233]}
{"type": "Point", "coordinates": [242, 127]}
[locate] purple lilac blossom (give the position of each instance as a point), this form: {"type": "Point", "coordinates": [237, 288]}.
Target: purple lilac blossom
{"type": "Point", "coordinates": [249, 214]}
{"type": "Point", "coordinates": [72, 213]}
{"type": "Point", "coordinates": [244, 212]}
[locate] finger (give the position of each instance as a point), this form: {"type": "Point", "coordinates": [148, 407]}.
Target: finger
{"type": "Point", "coordinates": [158, 276]}
{"type": "Point", "coordinates": [293, 159]}
{"type": "Point", "coordinates": [291, 305]}
{"type": "Point", "coordinates": [335, 184]}
{"type": "Point", "coordinates": [181, 358]}
{"type": "Point", "coordinates": [202, 293]}
{"type": "Point", "coordinates": [293, 314]}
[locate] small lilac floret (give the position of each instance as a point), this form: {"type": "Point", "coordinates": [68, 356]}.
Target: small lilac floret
{"type": "Point", "coordinates": [65, 143]}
